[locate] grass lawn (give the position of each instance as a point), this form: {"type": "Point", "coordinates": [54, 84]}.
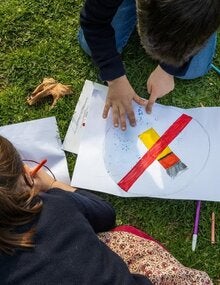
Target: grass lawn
{"type": "Point", "coordinates": [37, 40]}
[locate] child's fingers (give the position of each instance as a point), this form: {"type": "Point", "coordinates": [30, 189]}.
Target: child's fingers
{"type": "Point", "coordinates": [27, 174]}
{"type": "Point", "coordinates": [106, 109]}
{"type": "Point", "coordinates": [151, 101]}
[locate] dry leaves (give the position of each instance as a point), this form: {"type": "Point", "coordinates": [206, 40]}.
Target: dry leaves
{"type": "Point", "coordinates": [49, 87]}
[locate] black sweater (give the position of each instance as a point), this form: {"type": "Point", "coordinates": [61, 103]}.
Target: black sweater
{"type": "Point", "coordinates": [95, 19]}
{"type": "Point", "coordinates": [67, 249]}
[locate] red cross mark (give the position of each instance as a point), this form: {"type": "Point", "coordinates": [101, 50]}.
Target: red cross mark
{"type": "Point", "coordinates": [148, 158]}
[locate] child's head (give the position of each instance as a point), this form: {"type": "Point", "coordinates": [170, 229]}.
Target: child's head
{"type": "Point", "coordinates": [171, 31]}
{"type": "Point", "coordinates": [11, 166]}
{"type": "Point", "coordinates": [18, 200]}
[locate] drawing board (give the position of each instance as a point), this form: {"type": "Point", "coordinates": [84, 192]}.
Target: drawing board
{"type": "Point", "coordinates": [106, 154]}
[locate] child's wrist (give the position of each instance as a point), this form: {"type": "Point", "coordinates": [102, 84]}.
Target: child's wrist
{"type": "Point", "coordinates": [52, 185]}
{"type": "Point", "coordinates": [116, 80]}
{"type": "Point", "coordinates": [63, 186]}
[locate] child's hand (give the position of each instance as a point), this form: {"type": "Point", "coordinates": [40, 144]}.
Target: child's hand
{"type": "Point", "coordinates": [159, 84]}
{"type": "Point", "coordinates": [119, 98]}
{"type": "Point", "coordinates": [42, 180]}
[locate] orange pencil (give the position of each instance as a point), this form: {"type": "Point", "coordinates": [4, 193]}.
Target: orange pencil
{"type": "Point", "coordinates": [38, 167]}
{"type": "Point", "coordinates": [213, 228]}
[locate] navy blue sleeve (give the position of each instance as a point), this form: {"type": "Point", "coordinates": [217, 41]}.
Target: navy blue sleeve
{"type": "Point", "coordinates": [176, 71]}
{"type": "Point", "coordinates": [95, 20]}
{"type": "Point", "coordinates": [99, 213]}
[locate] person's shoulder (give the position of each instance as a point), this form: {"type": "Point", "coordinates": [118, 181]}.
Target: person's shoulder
{"type": "Point", "coordinates": [54, 192]}
{"type": "Point", "coordinates": [58, 203]}
{"type": "Point", "coordinates": [58, 197]}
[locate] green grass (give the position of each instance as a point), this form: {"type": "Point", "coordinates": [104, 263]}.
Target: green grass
{"type": "Point", "coordinates": [37, 40]}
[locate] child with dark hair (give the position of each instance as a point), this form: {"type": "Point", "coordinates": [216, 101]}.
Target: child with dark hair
{"type": "Point", "coordinates": [48, 235]}
{"type": "Point", "coordinates": [48, 230]}
{"type": "Point", "coordinates": [180, 34]}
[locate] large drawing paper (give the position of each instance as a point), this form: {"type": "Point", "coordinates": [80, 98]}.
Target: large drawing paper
{"type": "Point", "coordinates": [37, 140]}
{"type": "Point", "coordinates": [107, 154]}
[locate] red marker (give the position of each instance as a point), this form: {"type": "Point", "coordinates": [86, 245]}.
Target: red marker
{"type": "Point", "coordinates": [38, 167]}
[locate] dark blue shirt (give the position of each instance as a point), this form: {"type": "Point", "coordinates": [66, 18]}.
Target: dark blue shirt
{"type": "Point", "coordinates": [67, 249]}
{"type": "Point", "coordinates": [95, 19]}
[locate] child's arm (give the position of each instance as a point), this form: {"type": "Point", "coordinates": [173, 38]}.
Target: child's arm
{"type": "Point", "coordinates": [43, 181]}
{"type": "Point", "coordinates": [100, 213]}
{"type": "Point", "coordinates": [95, 20]}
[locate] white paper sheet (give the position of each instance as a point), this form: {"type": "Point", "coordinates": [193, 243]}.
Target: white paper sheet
{"type": "Point", "coordinates": [37, 140]}
{"type": "Point", "coordinates": [76, 128]}
{"type": "Point", "coordinates": [106, 154]}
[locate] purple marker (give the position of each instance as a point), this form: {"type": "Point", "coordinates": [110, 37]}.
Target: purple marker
{"type": "Point", "coordinates": [196, 225]}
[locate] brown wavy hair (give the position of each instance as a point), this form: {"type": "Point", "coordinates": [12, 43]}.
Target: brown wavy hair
{"type": "Point", "coordinates": [171, 31]}
{"type": "Point", "coordinates": [19, 202]}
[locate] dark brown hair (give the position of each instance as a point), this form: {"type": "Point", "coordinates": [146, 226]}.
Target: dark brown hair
{"type": "Point", "coordinates": [19, 203]}
{"type": "Point", "coordinates": [171, 31]}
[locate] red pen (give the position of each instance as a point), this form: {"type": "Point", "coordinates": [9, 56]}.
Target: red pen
{"type": "Point", "coordinates": [38, 167]}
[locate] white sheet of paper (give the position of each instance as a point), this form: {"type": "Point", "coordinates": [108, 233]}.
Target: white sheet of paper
{"type": "Point", "coordinates": [77, 125]}
{"type": "Point", "coordinates": [107, 154]}
{"type": "Point", "coordinates": [38, 140]}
